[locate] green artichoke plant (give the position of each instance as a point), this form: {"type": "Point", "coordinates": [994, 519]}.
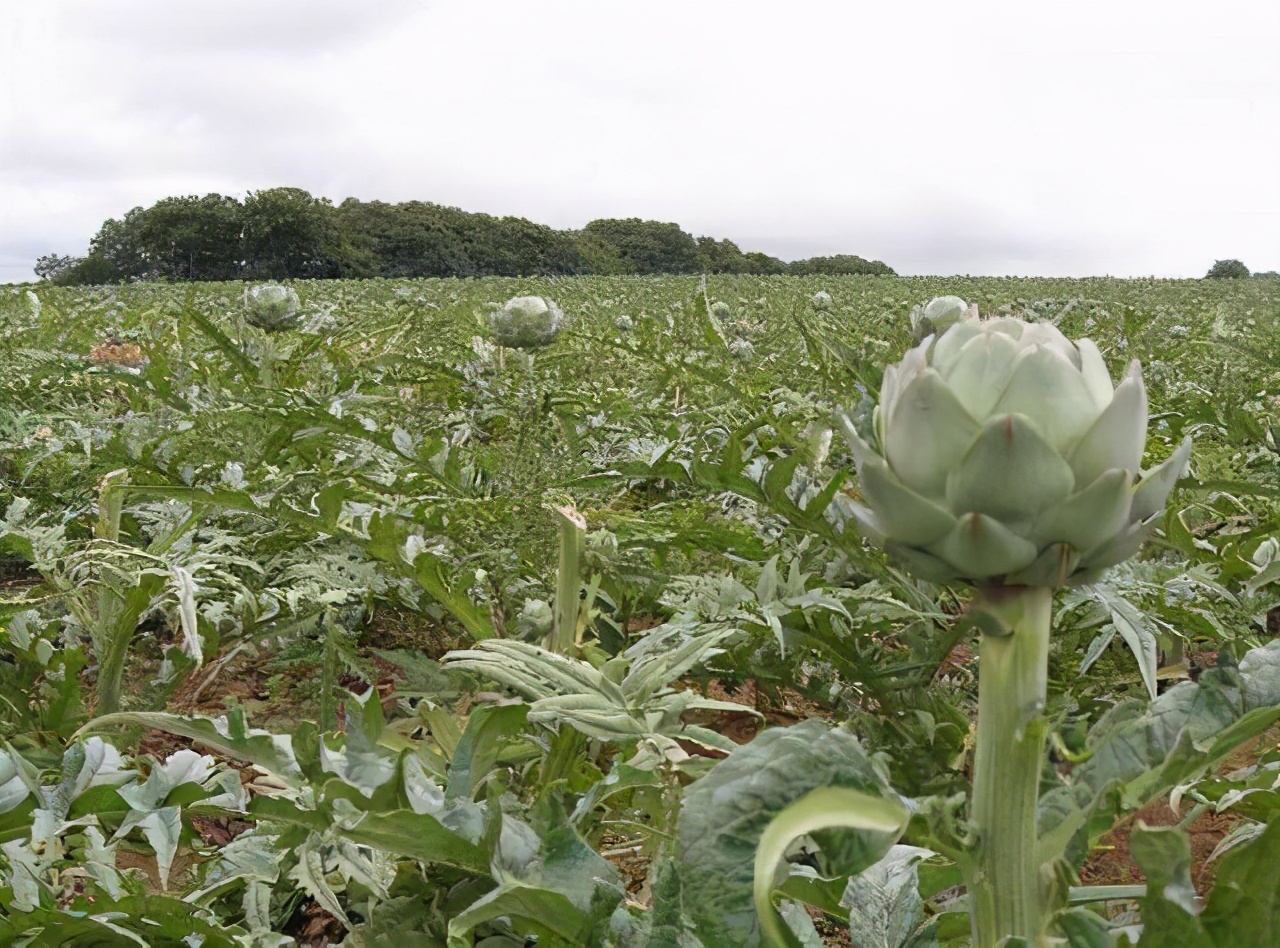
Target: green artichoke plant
{"type": "Point", "coordinates": [1007, 457]}
{"type": "Point", "coordinates": [527, 322]}
{"type": "Point", "coordinates": [1008, 460]}
{"type": "Point", "coordinates": [271, 307]}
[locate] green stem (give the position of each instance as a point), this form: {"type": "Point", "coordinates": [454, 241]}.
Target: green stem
{"type": "Point", "coordinates": [1004, 878]}
{"type": "Point", "coordinates": [111, 666]}
{"type": "Point", "coordinates": [573, 529]}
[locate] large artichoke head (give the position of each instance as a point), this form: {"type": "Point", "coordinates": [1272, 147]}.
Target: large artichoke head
{"type": "Point", "coordinates": [527, 322]}
{"type": "Point", "coordinates": [1007, 456]}
{"type": "Point", "coordinates": [272, 307]}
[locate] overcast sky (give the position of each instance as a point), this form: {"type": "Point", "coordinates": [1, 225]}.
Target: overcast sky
{"type": "Point", "coordinates": [1023, 137]}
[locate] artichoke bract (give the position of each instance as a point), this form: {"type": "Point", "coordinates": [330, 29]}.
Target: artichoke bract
{"type": "Point", "coordinates": [272, 307]}
{"type": "Point", "coordinates": [527, 322]}
{"type": "Point", "coordinates": [1007, 457]}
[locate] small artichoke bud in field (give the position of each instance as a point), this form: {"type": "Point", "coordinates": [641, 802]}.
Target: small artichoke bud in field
{"type": "Point", "coordinates": [536, 619]}
{"type": "Point", "coordinates": [624, 324]}
{"type": "Point", "coordinates": [720, 310]}
{"type": "Point", "coordinates": [939, 315]}
{"type": "Point", "coordinates": [272, 308]}
{"type": "Point", "coordinates": [527, 322]}
{"type": "Point", "coordinates": [1007, 456]}
{"type": "Point", "coordinates": [743, 351]}
{"type": "Point", "coordinates": [821, 300]}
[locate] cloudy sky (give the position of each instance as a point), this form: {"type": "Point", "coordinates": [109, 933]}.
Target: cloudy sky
{"type": "Point", "coordinates": [1020, 137]}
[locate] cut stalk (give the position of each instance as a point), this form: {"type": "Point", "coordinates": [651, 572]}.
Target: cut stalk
{"type": "Point", "coordinates": [573, 530]}
{"type": "Point", "coordinates": [1004, 879]}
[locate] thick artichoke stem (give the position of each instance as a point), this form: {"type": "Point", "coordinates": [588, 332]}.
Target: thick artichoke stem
{"type": "Point", "coordinates": [1004, 879]}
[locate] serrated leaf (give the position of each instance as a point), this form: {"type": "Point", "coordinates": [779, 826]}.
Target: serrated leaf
{"type": "Point", "coordinates": [727, 813]}
{"type": "Point", "coordinates": [884, 905]}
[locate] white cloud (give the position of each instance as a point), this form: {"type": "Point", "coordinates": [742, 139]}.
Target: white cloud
{"type": "Point", "coordinates": [1019, 137]}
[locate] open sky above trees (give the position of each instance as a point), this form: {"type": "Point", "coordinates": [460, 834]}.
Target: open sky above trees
{"type": "Point", "coordinates": [987, 138]}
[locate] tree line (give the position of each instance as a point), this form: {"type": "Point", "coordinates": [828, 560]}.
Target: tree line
{"type": "Point", "coordinates": [283, 233]}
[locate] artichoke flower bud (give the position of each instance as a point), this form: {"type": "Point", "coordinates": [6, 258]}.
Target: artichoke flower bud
{"type": "Point", "coordinates": [720, 310]}
{"type": "Point", "coordinates": [527, 322]}
{"type": "Point", "coordinates": [272, 308]}
{"type": "Point", "coordinates": [939, 315]}
{"type": "Point", "coordinates": [743, 351]}
{"type": "Point", "coordinates": [1008, 457]}
{"type": "Point", "coordinates": [536, 619]}
{"type": "Point", "coordinates": [624, 324]}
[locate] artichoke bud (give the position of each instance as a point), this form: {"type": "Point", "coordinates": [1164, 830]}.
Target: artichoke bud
{"type": "Point", "coordinates": [271, 307]}
{"type": "Point", "coordinates": [536, 620]}
{"type": "Point", "coordinates": [743, 351]}
{"type": "Point", "coordinates": [720, 310]}
{"type": "Point", "coordinates": [1008, 457]}
{"type": "Point", "coordinates": [938, 315]}
{"type": "Point", "coordinates": [527, 322]}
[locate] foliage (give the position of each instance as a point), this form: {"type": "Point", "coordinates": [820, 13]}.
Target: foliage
{"type": "Point", "coordinates": [315, 519]}
{"type": "Point", "coordinates": [1227, 270]}
{"type": "Point", "coordinates": [286, 233]}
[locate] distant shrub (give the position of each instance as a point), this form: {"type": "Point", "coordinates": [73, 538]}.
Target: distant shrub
{"type": "Point", "coordinates": [843, 264]}
{"type": "Point", "coordinates": [1227, 270]}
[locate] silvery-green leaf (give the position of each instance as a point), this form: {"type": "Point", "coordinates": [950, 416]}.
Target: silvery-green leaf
{"type": "Point", "coordinates": [1136, 630]}
{"type": "Point", "coordinates": [726, 814]}
{"type": "Point", "coordinates": [364, 769]}
{"type": "Point", "coordinates": [1010, 472]}
{"type": "Point", "coordinates": [980, 547]}
{"type": "Point", "coordinates": [1139, 749]}
{"type": "Point", "coordinates": [884, 905]}
{"type": "Point", "coordinates": [162, 829]}
{"type": "Point", "coordinates": [309, 873]}
{"type": "Point", "coordinates": [1118, 436]}
{"type": "Point", "coordinates": [927, 434]}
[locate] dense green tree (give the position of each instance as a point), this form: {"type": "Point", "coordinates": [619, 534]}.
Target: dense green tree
{"type": "Point", "coordinates": [192, 238]}
{"type": "Point", "coordinates": [839, 265]}
{"type": "Point", "coordinates": [282, 233]}
{"type": "Point", "coordinates": [762, 264]}
{"type": "Point", "coordinates": [1227, 270]}
{"type": "Point", "coordinates": [720, 256]}
{"type": "Point", "coordinates": [118, 249]}
{"type": "Point", "coordinates": [648, 246]}
{"type": "Point", "coordinates": [54, 268]}
{"type": "Point", "coordinates": [289, 233]}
